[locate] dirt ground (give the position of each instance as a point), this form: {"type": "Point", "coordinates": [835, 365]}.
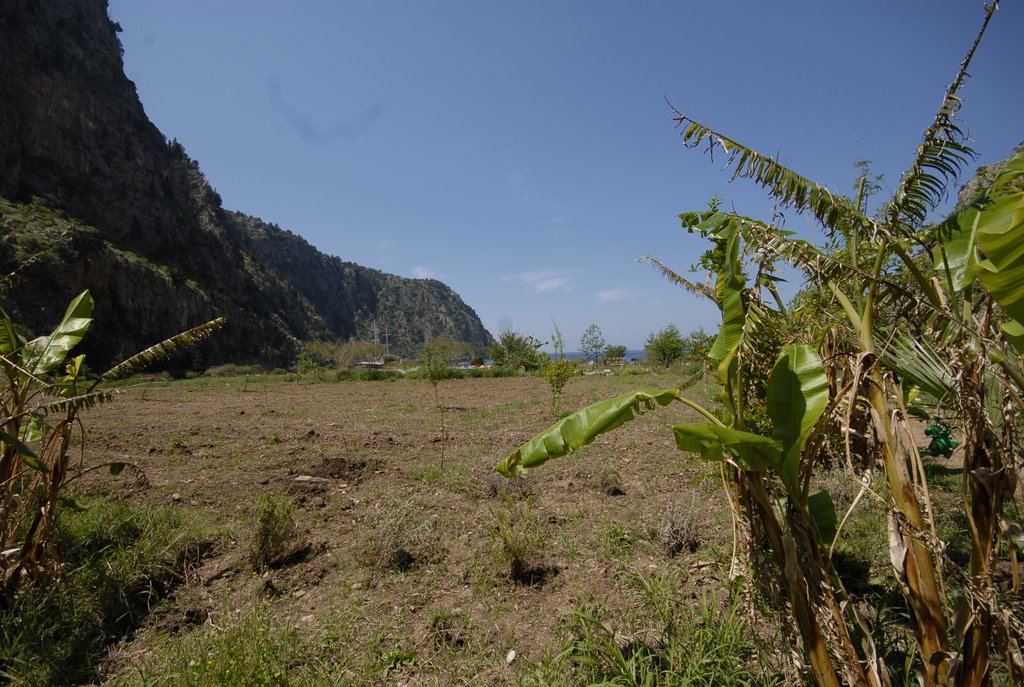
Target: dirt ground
{"type": "Point", "coordinates": [362, 464]}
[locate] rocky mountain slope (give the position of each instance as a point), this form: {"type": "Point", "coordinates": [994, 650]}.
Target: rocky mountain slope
{"type": "Point", "coordinates": [104, 201]}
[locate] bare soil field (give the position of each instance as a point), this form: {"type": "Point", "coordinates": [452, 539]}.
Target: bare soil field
{"type": "Point", "coordinates": [398, 564]}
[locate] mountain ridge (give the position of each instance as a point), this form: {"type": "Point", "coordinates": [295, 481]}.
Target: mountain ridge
{"type": "Point", "coordinates": [111, 205]}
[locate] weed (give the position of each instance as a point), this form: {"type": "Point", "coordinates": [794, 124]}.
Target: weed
{"type": "Point", "coordinates": [246, 650]}
{"type": "Point", "coordinates": [449, 628]}
{"type": "Point", "coordinates": [618, 541]}
{"type": "Point", "coordinates": [679, 528]}
{"type": "Point", "coordinates": [176, 445]}
{"type": "Point", "coordinates": [274, 532]}
{"type": "Point", "coordinates": [398, 530]}
{"type": "Point", "coordinates": [609, 481]}
{"type": "Point", "coordinates": [396, 659]}
{"type": "Point", "coordinates": [455, 478]}
{"type": "Point", "coordinates": [699, 645]}
{"type": "Point", "coordinates": [119, 560]}
{"type": "Point", "coordinates": [522, 538]}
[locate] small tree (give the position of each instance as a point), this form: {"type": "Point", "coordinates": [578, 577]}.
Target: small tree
{"type": "Point", "coordinates": [666, 346]}
{"type": "Point", "coordinates": [592, 343]}
{"type": "Point", "coordinates": [359, 352]}
{"type": "Point", "coordinates": [436, 358]}
{"type": "Point", "coordinates": [514, 350]}
{"type": "Point", "coordinates": [558, 371]}
{"type": "Point", "coordinates": [613, 352]}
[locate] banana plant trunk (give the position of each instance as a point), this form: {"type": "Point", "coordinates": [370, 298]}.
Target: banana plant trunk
{"type": "Point", "coordinates": [987, 480]}
{"type": "Point", "coordinates": [911, 558]}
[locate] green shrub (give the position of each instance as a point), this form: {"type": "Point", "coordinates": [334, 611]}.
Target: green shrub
{"type": "Point", "coordinates": [274, 532]}
{"type": "Point", "coordinates": [232, 370]}
{"type": "Point", "coordinates": [521, 535]}
{"type": "Point", "coordinates": [665, 347]}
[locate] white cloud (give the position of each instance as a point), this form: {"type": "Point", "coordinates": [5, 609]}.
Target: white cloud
{"type": "Point", "coordinates": [384, 245]}
{"type": "Point", "coordinates": [617, 295]}
{"type": "Point", "coordinates": [421, 272]}
{"type": "Point", "coordinates": [545, 281]}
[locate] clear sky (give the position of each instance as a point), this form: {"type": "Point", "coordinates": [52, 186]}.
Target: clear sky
{"type": "Point", "coordinates": [524, 152]}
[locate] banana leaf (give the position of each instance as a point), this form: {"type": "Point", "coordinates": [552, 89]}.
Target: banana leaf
{"type": "Point", "coordinates": [47, 352]}
{"type": "Point", "coordinates": [1001, 236]}
{"type": "Point", "coordinates": [10, 341]}
{"type": "Point", "coordinates": [582, 427]}
{"type": "Point", "coordinates": [823, 513]}
{"type": "Point", "coordinates": [752, 451]}
{"type": "Point", "coordinates": [797, 396]}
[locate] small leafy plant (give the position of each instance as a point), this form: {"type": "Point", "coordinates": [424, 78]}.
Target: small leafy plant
{"type": "Point", "coordinates": [558, 371]}
{"type": "Point", "coordinates": [521, 537]}
{"type": "Point", "coordinates": [274, 532]}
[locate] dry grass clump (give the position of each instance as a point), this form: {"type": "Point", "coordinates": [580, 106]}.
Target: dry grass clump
{"type": "Point", "coordinates": [398, 529]}
{"type": "Point", "coordinates": [495, 485]}
{"type": "Point", "coordinates": [679, 528]}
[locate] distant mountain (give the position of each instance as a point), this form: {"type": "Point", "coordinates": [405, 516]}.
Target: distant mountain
{"type": "Point", "coordinates": [104, 201]}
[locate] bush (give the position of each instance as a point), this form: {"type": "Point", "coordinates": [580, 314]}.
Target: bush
{"type": "Point", "coordinates": [522, 538]}
{"type": "Point", "coordinates": [397, 532]}
{"type": "Point", "coordinates": [664, 347]}
{"type": "Point", "coordinates": [517, 351]}
{"type": "Point", "coordinates": [274, 533]}
{"type": "Point", "coordinates": [233, 370]}
{"type": "Point", "coordinates": [496, 485]}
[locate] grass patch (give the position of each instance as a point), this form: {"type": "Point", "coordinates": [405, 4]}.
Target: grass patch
{"type": "Point", "coordinates": [250, 649]}
{"type": "Point", "coordinates": [522, 539]}
{"type": "Point", "coordinates": [120, 560]}
{"type": "Point", "coordinates": [665, 641]}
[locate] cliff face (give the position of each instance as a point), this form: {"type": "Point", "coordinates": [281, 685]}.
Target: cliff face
{"type": "Point", "coordinates": [138, 224]}
{"type": "Point", "coordinates": [359, 302]}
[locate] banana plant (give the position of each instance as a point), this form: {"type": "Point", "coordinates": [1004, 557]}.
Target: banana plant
{"type": "Point", "coordinates": [42, 390]}
{"type": "Point", "coordinates": [888, 295]}
{"type": "Point", "coordinates": [798, 531]}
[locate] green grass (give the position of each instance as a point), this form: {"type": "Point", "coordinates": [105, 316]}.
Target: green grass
{"type": "Point", "coordinates": [120, 559]}
{"type": "Point", "coordinates": [662, 641]}
{"type": "Point", "coordinates": [249, 650]}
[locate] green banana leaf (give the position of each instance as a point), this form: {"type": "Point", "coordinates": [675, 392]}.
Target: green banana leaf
{"type": "Point", "coordinates": [1001, 236]}
{"type": "Point", "coordinates": [10, 341]}
{"type": "Point", "coordinates": [47, 352]}
{"type": "Point", "coordinates": [729, 290]}
{"type": "Point", "coordinates": [752, 451]}
{"type": "Point", "coordinates": [582, 427]}
{"type": "Point", "coordinates": [797, 396]}
{"type": "Point", "coordinates": [959, 253]}
{"type": "Point", "coordinates": [823, 512]}
{"type": "Point", "coordinates": [28, 456]}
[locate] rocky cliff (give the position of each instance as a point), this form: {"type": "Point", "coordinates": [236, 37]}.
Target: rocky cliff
{"type": "Point", "coordinates": [104, 201]}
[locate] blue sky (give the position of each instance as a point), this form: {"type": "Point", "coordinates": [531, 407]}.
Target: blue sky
{"type": "Point", "coordinates": [524, 152]}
